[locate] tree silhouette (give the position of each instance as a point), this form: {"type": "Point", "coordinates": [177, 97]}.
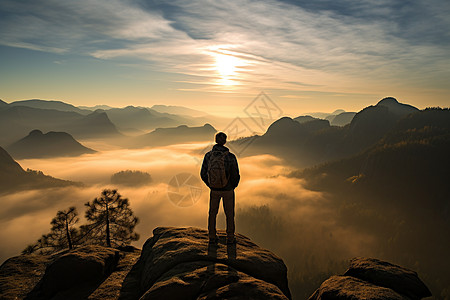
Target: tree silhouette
{"type": "Point", "coordinates": [131, 178]}
{"type": "Point", "coordinates": [62, 224]}
{"type": "Point", "coordinates": [61, 233]}
{"type": "Point", "coordinates": [111, 219]}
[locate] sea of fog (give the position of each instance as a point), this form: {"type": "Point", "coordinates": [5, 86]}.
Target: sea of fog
{"type": "Point", "coordinates": [277, 212]}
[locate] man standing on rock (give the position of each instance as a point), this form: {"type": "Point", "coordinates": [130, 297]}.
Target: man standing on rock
{"type": "Point", "coordinates": [220, 172]}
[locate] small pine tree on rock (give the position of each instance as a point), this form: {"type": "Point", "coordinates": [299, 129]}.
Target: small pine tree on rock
{"type": "Point", "coordinates": [61, 234]}
{"type": "Point", "coordinates": [111, 220]}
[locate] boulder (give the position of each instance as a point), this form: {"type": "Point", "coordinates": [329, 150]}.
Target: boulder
{"type": "Point", "coordinates": [86, 266]}
{"type": "Point", "coordinates": [179, 263]}
{"type": "Point", "coordinates": [370, 278]}
{"type": "Point", "coordinates": [347, 287]}
{"type": "Point", "coordinates": [19, 274]}
{"type": "Point", "coordinates": [388, 275]}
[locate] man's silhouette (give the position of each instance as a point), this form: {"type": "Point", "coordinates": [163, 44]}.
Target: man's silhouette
{"type": "Point", "coordinates": [220, 172]}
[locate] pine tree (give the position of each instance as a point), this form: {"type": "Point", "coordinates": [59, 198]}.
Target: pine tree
{"type": "Point", "coordinates": [111, 220]}
{"type": "Point", "coordinates": [62, 225]}
{"type": "Point", "coordinates": [61, 233]}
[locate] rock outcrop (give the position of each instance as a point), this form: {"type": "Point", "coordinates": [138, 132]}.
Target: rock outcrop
{"type": "Point", "coordinates": [369, 278]}
{"type": "Point", "coordinates": [76, 272]}
{"type": "Point", "coordinates": [178, 263]}
{"type": "Point", "coordinates": [19, 274]}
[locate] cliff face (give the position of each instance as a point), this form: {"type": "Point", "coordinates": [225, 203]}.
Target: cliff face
{"type": "Point", "coordinates": [176, 263]}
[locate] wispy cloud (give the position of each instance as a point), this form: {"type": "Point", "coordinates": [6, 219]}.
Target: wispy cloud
{"type": "Point", "coordinates": [278, 44]}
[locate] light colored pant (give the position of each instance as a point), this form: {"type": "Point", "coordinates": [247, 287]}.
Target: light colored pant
{"type": "Point", "coordinates": [228, 207]}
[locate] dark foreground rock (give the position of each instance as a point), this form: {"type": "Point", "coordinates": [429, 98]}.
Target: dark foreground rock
{"type": "Point", "coordinates": [77, 272]}
{"type": "Point", "coordinates": [90, 272]}
{"type": "Point", "coordinates": [372, 279]}
{"type": "Point", "coordinates": [19, 274]}
{"type": "Point", "coordinates": [178, 263]}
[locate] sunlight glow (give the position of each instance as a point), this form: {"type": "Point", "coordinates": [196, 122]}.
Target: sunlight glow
{"type": "Point", "coordinates": [227, 64]}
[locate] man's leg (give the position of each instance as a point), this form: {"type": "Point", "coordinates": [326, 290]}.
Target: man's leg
{"type": "Point", "coordinates": [214, 199]}
{"type": "Point", "coordinates": [228, 207]}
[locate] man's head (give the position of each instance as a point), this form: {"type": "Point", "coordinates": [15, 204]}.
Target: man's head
{"type": "Point", "coordinates": [221, 138]}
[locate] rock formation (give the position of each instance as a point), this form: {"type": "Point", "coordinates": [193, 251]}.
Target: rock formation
{"type": "Point", "coordinates": [369, 278]}
{"type": "Point", "coordinates": [178, 263]}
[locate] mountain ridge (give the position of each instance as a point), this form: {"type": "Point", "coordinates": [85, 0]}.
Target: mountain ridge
{"type": "Point", "coordinates": [179, 110]}
{"type": "Point", "coordinates": [176, 135]}
{"type": "Point", "coordinates": [17, 121]}
{"type": "Point", "coordinates": [49, 104]}
{"type": "Point", "coordinates": [14, 178]}
{"type": "Point", "coordinates": [316, 141]}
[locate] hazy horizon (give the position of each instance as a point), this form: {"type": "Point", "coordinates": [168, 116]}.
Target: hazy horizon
{"type": "Point", "coordinates": [231, 113]}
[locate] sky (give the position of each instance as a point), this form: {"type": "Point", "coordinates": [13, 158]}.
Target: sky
{"type": "Point", "coordinates": [217, 56]}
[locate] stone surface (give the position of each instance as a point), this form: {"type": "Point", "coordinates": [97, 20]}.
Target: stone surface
{"type": "Point", "coordinates": [110, 288]}
{"type": "Point", "coordinates": [19, 274]}
{"type": "Point", "coordinates": [179, 262]}
{"type": "Point", "coordinates": [81, 269]}
{"type": "Point", "coordinates": [385, 274]}
{"type": "Point", "coordinates": [347, 287]}
{"type": "Point", "coordinates": [176, 263]}
{"type": "Point", "coordinates": [370, 278]}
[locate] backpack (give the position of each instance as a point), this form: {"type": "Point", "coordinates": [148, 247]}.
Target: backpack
{"type": "Point", "coordinates": [217, 177]}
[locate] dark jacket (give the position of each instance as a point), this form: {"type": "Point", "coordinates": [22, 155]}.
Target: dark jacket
{"type": "Point", "coordinates": [231, 169]}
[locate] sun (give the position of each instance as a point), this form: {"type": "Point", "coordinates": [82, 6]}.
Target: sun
{"type": "Point", "coordinates": [226, 64]}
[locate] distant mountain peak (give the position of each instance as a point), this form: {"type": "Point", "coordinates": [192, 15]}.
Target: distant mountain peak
{"type": "Point", "coordinates": [35, 132]}
{"type": "Point", "coordinates": [51, 144]}
{"type": "Point", "coordinates": [304, 119]}
{"type": "Point", "coordinates": [286, 120]}
{"type": "Point", "coordinates": [98, 115]}
{"type": "Point", "coordinates": [396, 107]}
{"type": "Point", "coordinates": [388, 101]}
{"type": "Point", "coordinates": [178, 110]}
{"type": "Point", "coordinates": [338, 111]}
{"type": "Point", "coordinates": [283, 125]}
{"type": "Point", "coordinates": [176, 135]}
{"type": "Point", "coordinates": [102, 107]}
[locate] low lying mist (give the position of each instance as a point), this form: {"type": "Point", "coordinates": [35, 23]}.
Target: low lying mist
{"type": "Point", "coordinates": [276, 211]}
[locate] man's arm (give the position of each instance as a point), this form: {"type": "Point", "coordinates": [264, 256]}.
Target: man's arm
{"type": "Point", "coordinates": [204, 170]}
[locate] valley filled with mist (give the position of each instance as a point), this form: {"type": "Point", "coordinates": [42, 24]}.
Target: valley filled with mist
{"type": "Point", "coordinates": [315, 189]}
